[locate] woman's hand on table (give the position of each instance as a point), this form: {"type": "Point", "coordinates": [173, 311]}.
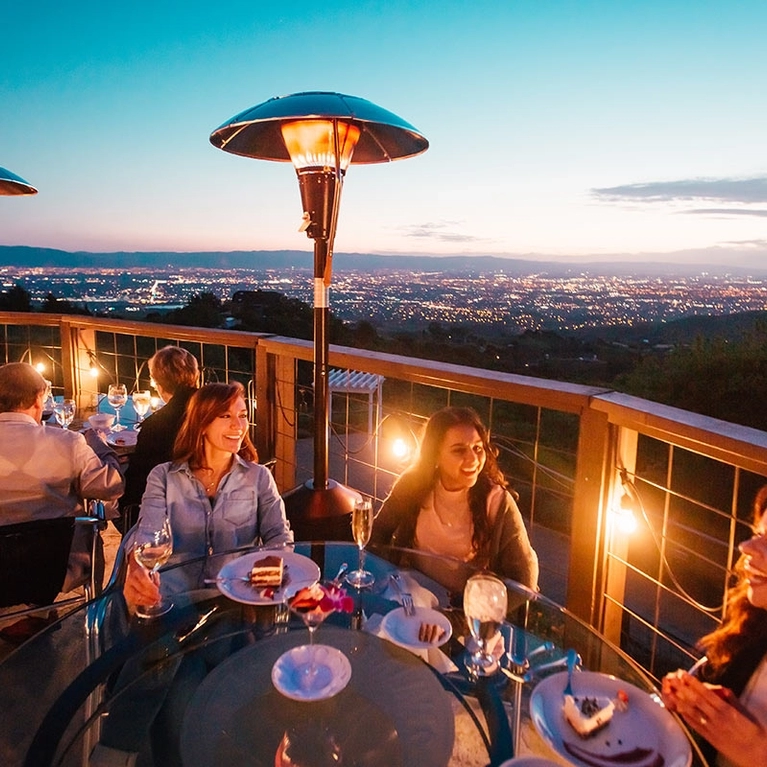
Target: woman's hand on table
{"type": "Point", "coordinates": [715, 713]}
{"type": "Point", "coordinates": [141, 587]}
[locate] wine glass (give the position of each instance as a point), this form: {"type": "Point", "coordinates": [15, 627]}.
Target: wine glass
{"type": "Point", "coordinates": [313, 604]}
{"type": "Point", "coordinates": [362, 529]}
{"type": "Point", "coordinates": [117, 396]}
{"type": "Point", "coordinates": [484, 605]}
{"type": "Point", "coordinates": [142, 401]}
{"type": "Point", "coordinates": [48, 401]}
{"type": "Point", "coordinates": [152, 547]}
{"type": "Point", "coordinates": [65, 410]}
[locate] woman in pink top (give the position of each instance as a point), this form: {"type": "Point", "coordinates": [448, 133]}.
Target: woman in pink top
{"type": "Point", "coordinates": [453, 501]}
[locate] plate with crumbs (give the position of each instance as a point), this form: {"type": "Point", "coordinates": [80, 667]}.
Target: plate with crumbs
{"type": "Point", "coordinates": [641, 733]}
{"type": "Point", "coordinates": [233, 579]}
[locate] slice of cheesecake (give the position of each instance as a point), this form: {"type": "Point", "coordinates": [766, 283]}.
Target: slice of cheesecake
{"type": "Point", "coordinates": [588, 715]}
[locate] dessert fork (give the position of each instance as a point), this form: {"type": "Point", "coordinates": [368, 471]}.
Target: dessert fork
{"type": "Point", "coordinates": [405, 596]}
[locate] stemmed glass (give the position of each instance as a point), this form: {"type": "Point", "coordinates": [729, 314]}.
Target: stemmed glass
{"type": "Point", "coordinates": [65, 412]}
{"type": "Point", "coordinates": [152, 548]}
{"type": "Point", "coordinates": [484, 605]}
{"type": "Point", "coordinates": [313, 604]}
{"type": "Point", "coordinates": [142, 401]}
{"type": "Point", "coordinates": [362, 529]}
{"type": "Point", "coordinates": [117, 396]}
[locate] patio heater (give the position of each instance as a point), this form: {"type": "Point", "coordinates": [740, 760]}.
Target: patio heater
{"type": "Point", "coordinates": [321, 133]}
{"type": "Point", "coordinates": [10, 183]}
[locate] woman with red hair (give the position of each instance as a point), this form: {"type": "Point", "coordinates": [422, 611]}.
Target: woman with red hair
{"type": "Point", "coordinates": [216, 496]}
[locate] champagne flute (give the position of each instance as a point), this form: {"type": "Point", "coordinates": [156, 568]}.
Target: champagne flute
{"type": "Point", "coordinates": [117, 396]}
{"type": "Point", "coordinates": [65, 412]}
{"type": "Point", "coordinates": [152, 548]}
{"type": "Point", "coordinates": [484, 605]}
{"type": "Point", "coordinates": [362, 529]}
{"type": "Point", "coordinates": [142, 401]}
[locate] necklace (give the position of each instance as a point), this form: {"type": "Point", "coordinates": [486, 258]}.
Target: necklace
{"type": "Point", "coordinates": [450, 507]}
{"type": "Point", "coordinates": [214, 480]}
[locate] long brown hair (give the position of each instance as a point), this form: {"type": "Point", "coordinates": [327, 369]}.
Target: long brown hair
{"type": "Point", "coordinates": [204, 406]}
{"type": "Point", "coordinates": [421, 476]}
{"type": "Point", "coordinates": [744, 628]}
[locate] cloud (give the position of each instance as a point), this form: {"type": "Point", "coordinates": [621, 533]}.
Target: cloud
{"type": "Point", "coordinates": [438, 231]}
{"type": "Point", "coordinates": [726, 212]}
{"type": "Point", "coordinates": [727, 190]}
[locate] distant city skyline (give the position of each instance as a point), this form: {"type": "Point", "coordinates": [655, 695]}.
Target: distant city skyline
{"type": "Point", "coordinates": [402, 299]}
{"type": "Point", "coordinates": [565, 130]}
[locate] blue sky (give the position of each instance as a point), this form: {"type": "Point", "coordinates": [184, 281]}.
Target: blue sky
{"type": "Point", "coordinates": [568, 129]}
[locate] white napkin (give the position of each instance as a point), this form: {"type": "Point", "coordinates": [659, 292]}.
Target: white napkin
{"type": "Point", "coordinates": [422, 597]}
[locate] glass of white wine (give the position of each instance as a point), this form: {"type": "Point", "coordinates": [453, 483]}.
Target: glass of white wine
{"type": "Point", "coordinates": [142, 401]}
{"type": "Point", "coordinates": [117, 396]}
{"type": "Point", "coordinates": [484, 606]}
{"type": "Point", "coordinates": [362, 529]}
{"type": "Point", "coordinates": [65, 410]}
{"type": "Point", "coordinates": [152, 548]}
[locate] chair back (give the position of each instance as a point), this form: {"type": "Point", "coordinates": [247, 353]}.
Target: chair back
{"type": "Point", "coordinates": [33, 560]}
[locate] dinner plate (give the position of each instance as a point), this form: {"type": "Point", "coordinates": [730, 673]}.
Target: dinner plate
{"type": "Point", "coordinates": [528, 761]}
{"type": "Point", "coordinates": [331, 674]}
{"type": "Point", "coordinates": [643, 735]}
{"type": "Point", "coordinates": [402, 629]}
{"type": "Point", "coordinates": [301, 571]}
{"type": "Point", "coordinates": [126, 438]}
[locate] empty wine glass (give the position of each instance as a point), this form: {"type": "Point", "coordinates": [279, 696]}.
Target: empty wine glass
{"type": "Point", "coordinates": [117, 396]}
{"type": "Point", "coordinates": [152, 548]}
{"type": "Point", "coordinates": [484, 606]}
{"type": "Point", "coordinates": [64, 411]}
{"type": "Point", "coordinates": [142, 401]}
{"type": "Point", "coordinates": [362, 529]}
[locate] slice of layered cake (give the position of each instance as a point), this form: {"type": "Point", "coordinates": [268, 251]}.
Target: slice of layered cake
{"type": "Point", "coordinates": [267, 572]}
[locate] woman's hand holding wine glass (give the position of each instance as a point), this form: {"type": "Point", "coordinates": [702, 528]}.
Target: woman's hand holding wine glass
{"type": "Point", "coordinates": [117, 396]}
{"type": "Point", "coordinates": [152, 548]}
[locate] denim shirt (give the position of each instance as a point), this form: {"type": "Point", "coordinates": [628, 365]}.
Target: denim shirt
{"type": "Point", "coordinates": [247, 510]}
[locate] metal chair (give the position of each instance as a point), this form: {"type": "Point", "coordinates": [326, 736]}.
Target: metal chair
{"type": "Point", "coordinates": [33, 563]}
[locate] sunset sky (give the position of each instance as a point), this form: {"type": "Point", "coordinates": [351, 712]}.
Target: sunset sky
{"type": "Point", "coordinates": [620, 129]}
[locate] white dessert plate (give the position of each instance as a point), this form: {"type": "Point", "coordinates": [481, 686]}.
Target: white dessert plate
{"type": "Point", "coordinates": [644, 735]}
{"type": "Point", "coordinates": [332, 672]}
{"type": "Point", "coordinates": [301, 571]}
{"type": "Point", "coordinates": [403, 629]}
{"type": "Point", "coordinates": [126, 438]}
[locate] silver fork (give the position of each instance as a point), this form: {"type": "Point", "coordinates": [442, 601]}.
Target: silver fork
{"type": "Point", "coordinates": [405, 596]}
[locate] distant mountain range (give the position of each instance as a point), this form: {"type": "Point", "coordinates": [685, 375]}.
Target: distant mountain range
{"type": "Point", "coordinates": [24, 256]}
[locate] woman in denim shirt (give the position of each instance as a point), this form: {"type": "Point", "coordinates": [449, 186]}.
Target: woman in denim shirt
{"type": "Point", "coordinates": [217, 497]}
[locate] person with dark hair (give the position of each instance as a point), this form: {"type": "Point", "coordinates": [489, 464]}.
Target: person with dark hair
{"type": "Point", "coordinates": [454, 501]}
{"type": "Point", "coordinates": [175, 375]}
{"type": "Point", "coordinates": [216, 495]}
{"type": "Point", "coordinates": [725, 700]}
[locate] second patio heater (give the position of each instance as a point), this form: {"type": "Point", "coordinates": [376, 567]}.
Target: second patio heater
{"type": "Point", "coordinates": [321, 133]}
{"type": "Point", "coordinates": [11, 184]}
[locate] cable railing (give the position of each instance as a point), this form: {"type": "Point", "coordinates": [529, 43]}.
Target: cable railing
{"type": "Point", "coordinates": [585, 461]}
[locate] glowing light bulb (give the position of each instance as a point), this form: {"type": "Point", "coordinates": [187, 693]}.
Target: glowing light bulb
{"type": "Point", "coordinates": [312, 143]}
{"type": "Point", "coordinates": [94, 371]}
{"type": "Point", "coordinates": [400, 448]}
{"type": "Point", "coordinates": [40, 367]}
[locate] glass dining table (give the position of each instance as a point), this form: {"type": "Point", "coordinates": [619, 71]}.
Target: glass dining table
{"type": "Point", "coordinates": [216, 679]}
